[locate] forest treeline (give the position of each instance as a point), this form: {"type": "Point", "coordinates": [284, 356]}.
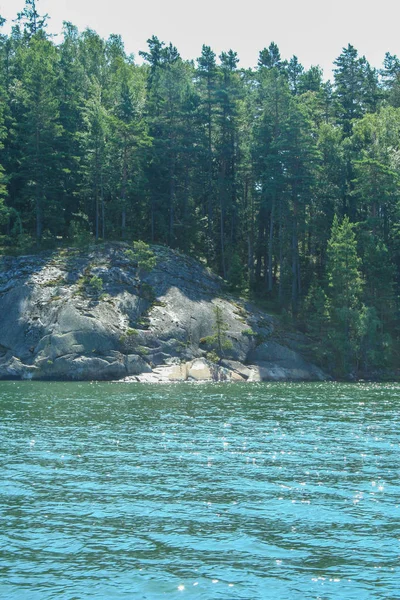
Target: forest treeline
{"type": "Point", "coordinates": [285, 184]}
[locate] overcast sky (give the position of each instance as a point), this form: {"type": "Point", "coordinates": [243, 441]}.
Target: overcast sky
{"type": "Point", "coordinates": [314, 30]}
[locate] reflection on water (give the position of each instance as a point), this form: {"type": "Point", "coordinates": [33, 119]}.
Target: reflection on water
{"type": "Point", "coordinates": [199, 491]}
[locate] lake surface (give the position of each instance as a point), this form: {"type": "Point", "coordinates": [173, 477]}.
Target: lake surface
{"type": "Point", "coordinates": [254, 491]}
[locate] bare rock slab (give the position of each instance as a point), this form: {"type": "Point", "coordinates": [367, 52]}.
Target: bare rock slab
{"type": "Point", "coordinates": [144, 326]}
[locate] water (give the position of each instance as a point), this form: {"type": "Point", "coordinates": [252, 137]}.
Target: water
{"type": "Point", "coordinates": [257, 491]}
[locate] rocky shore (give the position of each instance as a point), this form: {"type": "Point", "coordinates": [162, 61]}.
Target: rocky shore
{"type": "Point", "coordinates": [97, 315]}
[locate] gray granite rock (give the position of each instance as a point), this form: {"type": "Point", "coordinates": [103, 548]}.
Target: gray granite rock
{"type": "Point", "coordinates": [55, 325]}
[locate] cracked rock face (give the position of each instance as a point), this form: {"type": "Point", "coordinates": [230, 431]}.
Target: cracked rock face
{"type": "Point", "coordinates": [94, 315]}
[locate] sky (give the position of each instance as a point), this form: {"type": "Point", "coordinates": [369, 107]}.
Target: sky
{"type": "Point", "coordinates": [314, 30]}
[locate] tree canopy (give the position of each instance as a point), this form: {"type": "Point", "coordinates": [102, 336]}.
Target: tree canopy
{"type": "Point", "coordinates": [285, 184]}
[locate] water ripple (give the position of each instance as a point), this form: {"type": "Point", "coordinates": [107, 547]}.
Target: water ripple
{"type": "Point", "coordinates": [285, 491]}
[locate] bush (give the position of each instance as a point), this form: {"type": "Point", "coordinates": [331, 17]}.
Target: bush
{"type": "Point", "coordinates": [212, 357]}
{"type": "Point", "coordinates": [142, 255]}
{"type": "Point", "coordinates": [96, 283]}
{"type": "Point", "coordinates": [249, 333]}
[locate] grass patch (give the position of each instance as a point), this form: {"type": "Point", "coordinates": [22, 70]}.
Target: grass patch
{"type": "Point", "coordinates": [53, 282]}
{"type": "Point", "coordinates": [249, 333]}
{"type": "Point", "coordinates": [142, 350]}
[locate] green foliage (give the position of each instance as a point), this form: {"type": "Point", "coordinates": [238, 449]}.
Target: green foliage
{"type": "Point", "coordinates": [53, 282]}
{"type": "Point", "coordinates": [208, 340]}
{"type": "Point", "coordinates": [38, 131]}
{"type": "Point", "coordinates": [131, 332]}
{"type": "Point", "coordinates": [220, 328]}
{"type": "Point", "coordinates": [142, 255]}
{"type": "Point", "coordinates": [96, 283]}
{"type": "Point", "coordinates": [249, 333]}
{"type": "Point", "coordinates": [376, 349]}
{"type": "Point", "coordinates": [356, 85]}
{"type": "Point", "coordinates": [236, 276]}
{"type": "Point", "coordinates": [79, 233]}
{"type": "Point", "coordinates": [315, 317]}
{"type": "Point", "coordinates": [344, 297]}
{"type": "Point", "coordinates": [242, 169]}
{"type": "Point", "coordinates": [218, 342]}
{"type": "Point", "coordinates": [32, 22]}
{"type": "Point", "coordinates": [142, 350]}
{"type": "Point", "coordinates": [213, 357]}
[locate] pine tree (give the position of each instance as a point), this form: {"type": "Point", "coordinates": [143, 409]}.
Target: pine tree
{"type": "Point", "coordinates": [344, 297]}
{"type": "Point", "coordinates": [356, 87]}
{"type": "Point", "coordinates": [71, 90]}
{"type": "Point", "coordinates": [270, 57]}
{"type": "Point", "coordinates": [128, 143]}
{"type": "Point", "coordinates": [219, 341]}
{"type": "Point", "coordinates": [38, 130]}
{"type": "Point", "coordinates": [227, 96]}
{"type": "Point", "coordinates": [268, 148]}
{"type": "Point", "coordinates": [294, 73]}
{"type": "Point", "coordinates": [4, 211]}
{"type": "Point", "coordinates": [378, 317]}
{"type": "Point", "coordinates": [300, 172]}
{"type": "Point", "coordinates": [208, 76]}
{"type": "Point", "coordinates": [391, 78]}
{"type": "Point", "coordinates": [93, 140]}
{"type": "Point", "coordinates": [29, 17]}
{"type": "Point", "coordinates": [315, 319]}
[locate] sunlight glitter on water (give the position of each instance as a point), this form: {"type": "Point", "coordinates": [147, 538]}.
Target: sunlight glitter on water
{"type": "Point", "coordinates": [285, 491]}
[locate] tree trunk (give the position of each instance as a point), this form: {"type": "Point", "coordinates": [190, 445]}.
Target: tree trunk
{"type": "Point", "coordinates": [209, 169]}
{"type": "Point", "coordinates": [39, 191]}
{"type": "Point", "coordinates": [280, 288]}
{"type": "Point", "coordinates": [171, 199]}
{"type": "Point", "coordinates": [270, 244]}
{"type": "Point", "coordinates": [152, 220]}
{"type": "Point", "coordinates": [123, 190]}
{"type": "Point", "coordinates": [103, 211]}
{"type": "Point", "coordinates": [96, 199]}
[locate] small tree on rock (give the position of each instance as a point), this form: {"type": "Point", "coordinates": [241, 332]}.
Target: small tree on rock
{"type": "Point", "coordinates": [218, 342]}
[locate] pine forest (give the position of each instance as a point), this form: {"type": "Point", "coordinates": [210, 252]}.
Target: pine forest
{"type": "Point", "coordinates": [285, 184]}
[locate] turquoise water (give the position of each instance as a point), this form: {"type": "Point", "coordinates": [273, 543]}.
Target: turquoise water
{"type": "Point", "coordinates": [257, 491]}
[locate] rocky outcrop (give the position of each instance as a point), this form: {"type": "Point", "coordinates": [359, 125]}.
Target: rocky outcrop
{"type": "Point", "coordinates": [95, 315]}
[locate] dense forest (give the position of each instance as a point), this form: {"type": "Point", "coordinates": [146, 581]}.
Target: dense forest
{"type": "Point", "coordinates": [285, 184]}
